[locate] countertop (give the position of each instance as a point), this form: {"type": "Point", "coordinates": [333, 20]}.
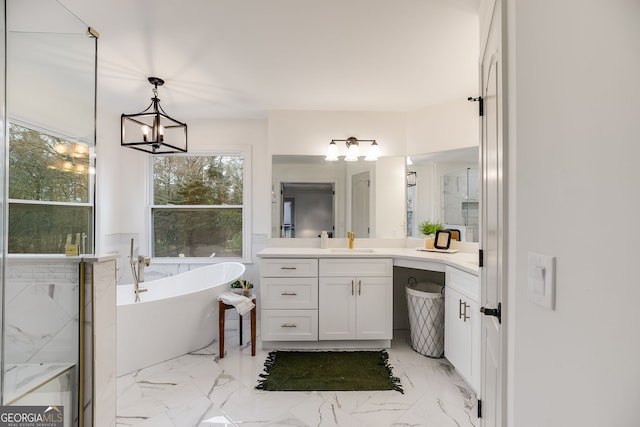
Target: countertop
{"type": "Point", "coordinates": [402, 257]}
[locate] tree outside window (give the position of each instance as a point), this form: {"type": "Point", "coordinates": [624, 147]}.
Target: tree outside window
{"type": "Point", "coordinates": [198, 205]}
{"type": "Point", "coordinates": [50, 194]}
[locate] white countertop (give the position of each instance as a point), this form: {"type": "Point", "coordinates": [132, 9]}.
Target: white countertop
{"type": "Point", "coordinates": [402, 257]}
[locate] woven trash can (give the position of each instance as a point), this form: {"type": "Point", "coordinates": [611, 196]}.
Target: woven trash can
{"type": "Point", "coordinates": [425, 304]}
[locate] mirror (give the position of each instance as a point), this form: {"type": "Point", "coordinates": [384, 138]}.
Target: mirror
{"type": "Point", "coordinates": [445, 187]}
{"type": "Point", "coordinates": [310, 195]}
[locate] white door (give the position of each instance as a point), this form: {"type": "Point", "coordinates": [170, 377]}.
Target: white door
{"type": "Point", "coordinates": [360, 205]}
{"type": "Point", "coordinates": [493, 229]}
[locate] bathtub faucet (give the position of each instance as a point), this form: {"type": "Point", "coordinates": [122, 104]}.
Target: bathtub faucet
{"type": "Point", "coordinates": [142, 262]}
{"type": "Point", "coordinates": [138, 273]}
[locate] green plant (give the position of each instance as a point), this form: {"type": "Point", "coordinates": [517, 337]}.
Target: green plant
{"type": "Point", "coordinates": [427, 228]}
{"type": "Point", "coordinates": [238, 284]}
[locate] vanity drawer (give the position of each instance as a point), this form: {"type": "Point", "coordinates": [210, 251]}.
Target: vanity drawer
{"type": "Point", "coordinates": [289, 293]}
{"type": "Point", "coordinates": [289, 267]}
{"type": "Point", "coordinates": [465, 283]}
{"type": "Point", "coordinates": [289, 325]}
{"type": "Point", "coordinates": [337, 267]}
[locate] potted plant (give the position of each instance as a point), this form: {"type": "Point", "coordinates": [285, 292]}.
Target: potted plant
{"type": "Point", "coordinates": [428, 229]}
{"type": "Point", "coordinates": [241, 287]}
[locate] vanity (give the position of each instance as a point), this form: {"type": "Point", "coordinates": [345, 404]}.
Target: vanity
{"type": "Point", "coordinates": [314, 298]}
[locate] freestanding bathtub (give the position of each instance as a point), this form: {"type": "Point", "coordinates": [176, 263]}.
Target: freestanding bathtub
{"type": "Point", "coordinates": [176, 315]}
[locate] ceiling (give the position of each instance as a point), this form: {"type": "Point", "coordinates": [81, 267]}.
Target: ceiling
{"type": "Point", "coordinates": [243, 58]}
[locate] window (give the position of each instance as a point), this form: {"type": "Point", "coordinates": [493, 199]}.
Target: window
{"type": "Point", "coordinates": [50, 192]}
{"type": "Point", "coordinates": [199, 206]}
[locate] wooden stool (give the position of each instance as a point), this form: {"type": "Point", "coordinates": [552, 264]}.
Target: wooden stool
{"type": "Point", "coordinates": [222, 307]}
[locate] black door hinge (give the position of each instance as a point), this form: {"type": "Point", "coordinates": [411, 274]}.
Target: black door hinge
{"type": "Point", "coordinates": [480, 104]}
{"type": "Point", "coordinates": [480, 258]}
{"type": "Point", "coordinates": [479, 408]}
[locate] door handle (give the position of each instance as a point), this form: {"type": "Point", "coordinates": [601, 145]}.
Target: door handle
{"type": "Point", "coordinates": [359, 287]}
{"type": "Point", "coordinates": [496, 312]}
{"type": "Point", "coordinates": [352, 292]}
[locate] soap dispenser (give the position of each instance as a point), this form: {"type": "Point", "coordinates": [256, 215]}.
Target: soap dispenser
{"type": "Point", "coordinates": [324, 240]}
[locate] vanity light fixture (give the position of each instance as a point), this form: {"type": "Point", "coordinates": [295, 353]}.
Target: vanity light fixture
{"type": "Point", "coordinates": [353, 150]}
{"type": "Point", "coordinates": [152, 130]}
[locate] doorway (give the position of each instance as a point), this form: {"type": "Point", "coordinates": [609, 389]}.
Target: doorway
{"type": "Point", "coordinates": [307, 209]}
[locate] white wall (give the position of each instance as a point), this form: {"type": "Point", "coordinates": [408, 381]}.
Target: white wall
{"type": "Point", "coordinates": [574, 122]}
{"type": "Point", "coordinates": [309, 132]}
{"type": "Point", "coordinates": [444, 126]}
{"type": "Point", "coordinates": [390, 198]}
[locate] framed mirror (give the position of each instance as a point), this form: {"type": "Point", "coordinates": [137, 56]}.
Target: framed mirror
{"type": "Point", "coordinates": [311, 195]}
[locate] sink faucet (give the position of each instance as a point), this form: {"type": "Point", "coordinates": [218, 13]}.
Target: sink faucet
{"type": "Point", "coordinates": [138, 273]}
{"type": "Point", "coordinates": [351, 235]}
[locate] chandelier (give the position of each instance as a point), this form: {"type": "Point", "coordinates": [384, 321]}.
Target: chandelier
{"type": "Point", "coordinates": [152, 130]}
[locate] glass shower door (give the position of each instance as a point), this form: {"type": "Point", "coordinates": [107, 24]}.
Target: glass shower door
{"type": "Point", "coordinates": [49, 140]}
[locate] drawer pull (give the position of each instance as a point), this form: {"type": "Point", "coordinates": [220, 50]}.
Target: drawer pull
{"type": "Point", "coordinates": [289, 293]}
{"type": "Point", "coordinates": [288, 325]}
{"type": "Point", "coordinates": [288, 268]}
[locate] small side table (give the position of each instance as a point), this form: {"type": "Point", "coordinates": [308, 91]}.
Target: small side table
{"type": "Point", "coordinates": [222, 308]}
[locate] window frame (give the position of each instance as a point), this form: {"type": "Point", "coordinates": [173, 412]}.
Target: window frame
{"type": "Point", "coordinates": [91, 184]}
{"type": "Point", "coordinates": [243, 151]}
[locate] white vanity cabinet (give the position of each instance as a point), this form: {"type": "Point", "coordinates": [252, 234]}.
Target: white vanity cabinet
{"type": "Point", "coordinates": [289, 299]}
{"type": "Point", "coordinates": [462, 324]}
{"type": "Point", "coordinates": [355, 299]}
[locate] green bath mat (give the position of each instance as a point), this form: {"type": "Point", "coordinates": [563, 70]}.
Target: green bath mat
{"type": "Point", "coordinates": [328, 371]}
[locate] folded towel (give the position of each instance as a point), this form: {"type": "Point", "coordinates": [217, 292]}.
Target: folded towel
{"type": "Point", "coordinates": [241, 303]}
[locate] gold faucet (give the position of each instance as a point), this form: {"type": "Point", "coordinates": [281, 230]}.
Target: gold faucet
{"type": "Point", "coordinates": [351, 235]}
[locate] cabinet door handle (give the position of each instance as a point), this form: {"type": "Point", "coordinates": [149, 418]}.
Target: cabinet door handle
{"type": "Point", "coordinates": [465, 317]}
{"type": "Point", "coordinates": [459, 308]}
{"type": "Point", "coordinates": [289, 293]}
{"type": "Point", "coordinates": [359, 287]}
{"type": "Point", "coordinates": [288, 325]}
{"type": "Point", "coordinates": [287, 268]}
{"type": "Point", "coordinates": [352, 288]}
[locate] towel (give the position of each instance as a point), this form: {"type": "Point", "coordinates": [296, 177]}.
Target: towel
{"type": "Point", "coordinates": [241, 303]}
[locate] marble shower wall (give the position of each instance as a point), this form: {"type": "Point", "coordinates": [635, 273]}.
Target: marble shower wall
{"type": "Point", "coordinates": [41, 310]}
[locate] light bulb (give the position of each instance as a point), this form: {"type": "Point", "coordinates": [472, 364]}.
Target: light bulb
{"type": "Point", "coordinates": [352, 153]}
{"type": "Point", "coordinates": [374, 152]}
{"type": "Point", "coordinates": [145, 133]}
{"type": "Point", "coordinates": [60, 148]}
{"type": "Point", "coordinates": [332, 152]}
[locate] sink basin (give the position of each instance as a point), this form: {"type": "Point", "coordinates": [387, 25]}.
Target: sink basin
{"type": "Point", "coordinates": [353, 251]}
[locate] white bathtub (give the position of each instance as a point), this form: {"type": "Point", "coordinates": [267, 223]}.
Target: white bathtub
{"type": "Point", "coordinates": [177, 315]}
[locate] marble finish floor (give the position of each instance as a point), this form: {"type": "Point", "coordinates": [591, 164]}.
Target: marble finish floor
{"type": "Point", "coordinates": [200, 389]}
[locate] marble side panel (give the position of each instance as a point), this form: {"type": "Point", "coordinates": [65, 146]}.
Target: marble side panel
{"type": "Point", "coordinates": [104, 343]}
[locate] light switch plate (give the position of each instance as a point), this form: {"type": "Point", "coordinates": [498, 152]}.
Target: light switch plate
{"type": "Point", "coordinates": [542, 280]}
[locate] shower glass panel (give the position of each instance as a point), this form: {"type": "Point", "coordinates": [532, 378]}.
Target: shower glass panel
{"type": "Point", "coordinates": [460, 200]}
{"type": "Point", "coordinates": [50, 126]}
